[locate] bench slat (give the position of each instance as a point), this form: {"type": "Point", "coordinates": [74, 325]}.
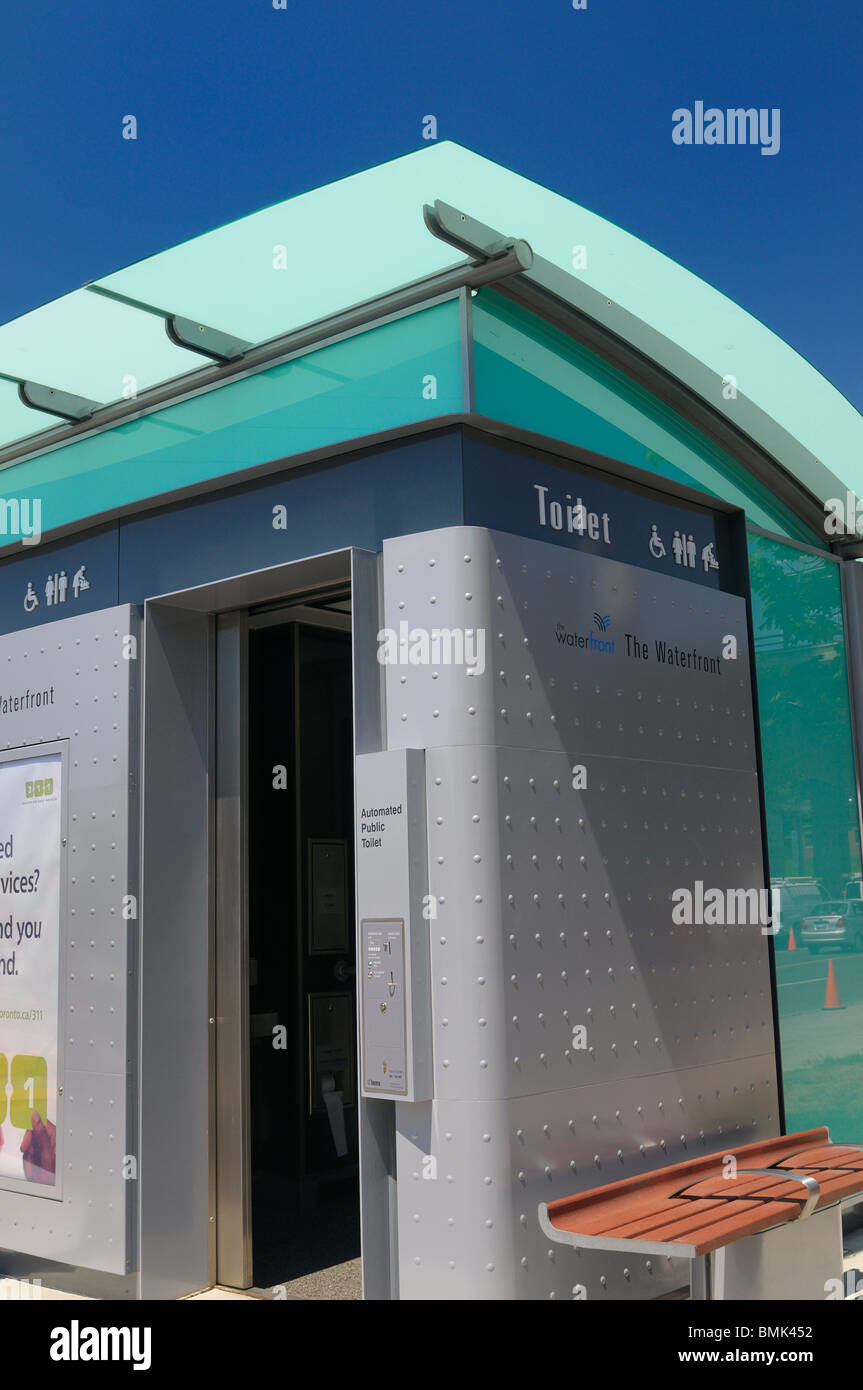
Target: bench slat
{"type": "Point", "coordinates": [835, 1185]}
{"type": "Point", "coordinates": [694, 1204]}
{"type": "Point", "coordinates": [660, 1182]}
{"type": "Point", "coordinates": [829, 1155]}
{"type": "Point", "coordinates": [749, 1185]}
{"type": "Point", "coordinates": [732, 1228]}
{"type": "Point", "coordinates": [705, 1225]}
{"type": "Point", "coordinates": [687, 1216]}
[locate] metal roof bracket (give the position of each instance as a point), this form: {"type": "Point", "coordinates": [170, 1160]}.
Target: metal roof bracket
{"type": "Point", "coordinates": [475, 239]}
{"type": "Point", "coordinates": [742, 428]}
{"type": "Point", "coordinates": [183, 332]}
{"type": "Point", "coordinates": [210, 342]}
{"type": "Point", "coordinates": [52, 402]}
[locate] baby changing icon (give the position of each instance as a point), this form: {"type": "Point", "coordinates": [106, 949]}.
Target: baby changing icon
{"type": "Point", "coordinates": [708, 558]}
{"type": "Point", "coordinates": [80, 582]}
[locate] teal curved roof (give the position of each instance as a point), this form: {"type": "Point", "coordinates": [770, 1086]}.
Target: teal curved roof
{"type": "Point", "coordinates": [363, 236]}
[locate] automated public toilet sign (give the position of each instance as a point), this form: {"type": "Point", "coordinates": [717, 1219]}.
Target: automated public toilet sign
{"type": "Point", "coordinates": [394, 964]}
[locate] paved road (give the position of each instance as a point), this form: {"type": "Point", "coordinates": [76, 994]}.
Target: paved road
{"type": "Point", "coordinates": [808, 1031]}
{"type": "Point", "coordinates": [802, 979]}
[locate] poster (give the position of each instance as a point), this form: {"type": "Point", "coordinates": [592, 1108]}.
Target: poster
{"type": "Point", "coordinates": [30, 882]}
{"type": "Point", "coordinates": [329, 896]}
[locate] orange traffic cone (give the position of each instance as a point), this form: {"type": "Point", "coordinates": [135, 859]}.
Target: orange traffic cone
{"type": "Point", "coordinates": [792, 944]}
{"type": "Point", "coordinates": [831, 997]}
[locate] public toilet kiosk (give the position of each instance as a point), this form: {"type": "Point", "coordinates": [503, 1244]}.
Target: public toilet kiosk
{"type": "Point", "coordinates": [421, 650]}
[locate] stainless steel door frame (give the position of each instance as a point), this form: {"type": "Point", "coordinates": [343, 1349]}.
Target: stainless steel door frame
{"type": "Point", "coordinates": [184, 878]}
{"type": "Point", "coordinates": [233, 1245]}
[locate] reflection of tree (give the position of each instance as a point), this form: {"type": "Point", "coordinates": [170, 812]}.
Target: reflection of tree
{"type": "Point", "coordinates": [804, 711]}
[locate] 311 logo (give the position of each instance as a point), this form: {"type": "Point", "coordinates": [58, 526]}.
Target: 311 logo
{"type": "Point", "coordinates": [29, 1089]}
{"type": "Point", "coordinates": [42, 786]}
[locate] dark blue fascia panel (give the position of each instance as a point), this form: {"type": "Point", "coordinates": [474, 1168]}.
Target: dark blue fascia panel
{"type": "Point", "coordinates": [422, 483]}
{"type": "Point", "coordinates": [528, 494]}
{"type": "Point", "coordinates": [358, 500]}
{"type": "Point", "coordinates": [60, 580]}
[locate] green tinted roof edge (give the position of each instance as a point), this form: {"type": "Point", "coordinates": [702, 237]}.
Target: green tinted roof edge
{"type": "Point", "coordinates": [741, 412]}
{"type": "Point", "coordinates": [682, 344]}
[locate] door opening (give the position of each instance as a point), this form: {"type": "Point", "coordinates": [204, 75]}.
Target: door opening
{"type": "Point", "coordinates": [302, 965]}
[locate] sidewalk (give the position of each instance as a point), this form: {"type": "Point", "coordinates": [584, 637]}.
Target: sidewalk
{"type": "Point", "coordinates": [338, 1283]}
{"type": "Point", "coordinates": [821, 1034]}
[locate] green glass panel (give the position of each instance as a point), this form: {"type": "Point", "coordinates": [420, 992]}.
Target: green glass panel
{"type": "Point", "coordinates": [310, 256]}
{"type": "Point", "coordinates": [325, 250]}
{"type": "Point", "coordinates": [92, 347]}
{"type": "Point", "coordinates": [17, 419]}
{"type": "Point", "coordinates": [529, 374]}
{"type": "Point", "coordinates": [403, 371]}
{"type": "Point", "coordinates": [810, 793]}
{"type": "Point", "coordinates": [335, 246]}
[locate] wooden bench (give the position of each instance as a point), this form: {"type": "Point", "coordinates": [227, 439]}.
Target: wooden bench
{"type": "Point", "coordinates": [697, 1209]}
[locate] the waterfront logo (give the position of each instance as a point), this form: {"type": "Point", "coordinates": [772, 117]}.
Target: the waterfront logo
{"type": "Point", "coordinates": [735, 126]}
{"type": "Point", "coordinates": [721, 907]}
{"type": "Point", "coordinates": [437, 646]}
{"type": "Point", "coordinates": [77, 1343]}
{"type": "Point", "coordinates": [590, 641]}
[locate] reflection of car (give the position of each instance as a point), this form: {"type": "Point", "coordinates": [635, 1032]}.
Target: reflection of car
{"type": "Point", "coordinates": [797, 899]}
{"type": "Point", "coordinates": [835, 924]}
{"type": "Point", "coordinates": [853, 888]}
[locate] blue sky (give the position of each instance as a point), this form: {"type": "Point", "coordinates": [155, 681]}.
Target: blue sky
{"type": "Point", "coordinates": [240, 105]}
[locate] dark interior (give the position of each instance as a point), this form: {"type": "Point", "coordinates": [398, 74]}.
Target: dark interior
{"type": "Point", "coordinates": [305, 1195]}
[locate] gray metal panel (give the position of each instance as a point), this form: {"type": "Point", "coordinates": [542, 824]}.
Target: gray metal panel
{"type": "Point", "coordinates": [471, 1231]}
{"type": "Point", "coordinates": [232, 1027]}
{"type": "Point", "coordinates": [568, 896]}
{"type": "Point", "coordinates": [377, 1145]}
{"type": "Point", "coordinates": [85, 660]}
{"type": "Point", "coordinates": [262, 585]}
{"type": "Point", "coordinates": [798, 1261]}
{"type": "Point", "coordinates": [538, 691]}
{"type": "Point", "coordinates": [175, 1046]}
{"type": "Point", "coordinates": [368, 676]}
{"type": "Point", "coordinates": [554, 907]}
